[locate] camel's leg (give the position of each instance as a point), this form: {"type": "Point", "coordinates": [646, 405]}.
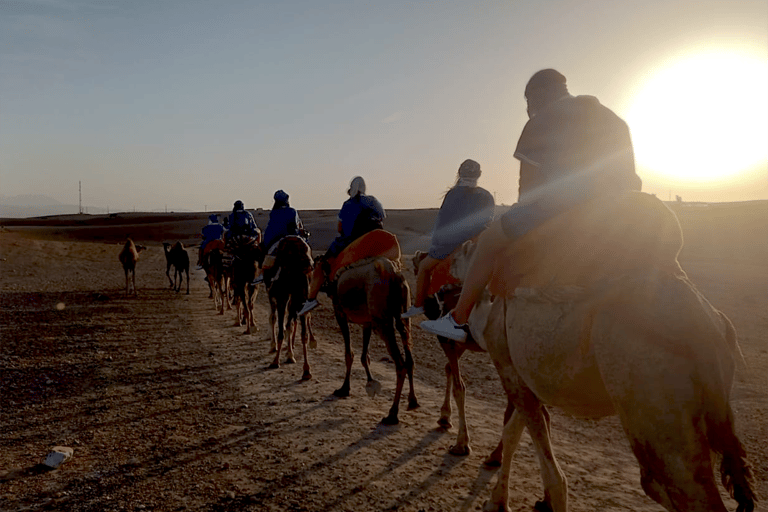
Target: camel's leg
{"type": "Point", "coordinates": [365, 357]}
{"type": "Point", "coordinates": [273, 324]}
{"type": "Point", "coordinates": [445, 410]}
{"type": "Point", "coordinates": [494, 459]}
{"type": "Point", "coordinates": [168, 272]}
{"type": "Point", "coordinates": [127, 281]}
{"type": "Point", "coordinates": [454, 351]}
{"type": "Point", "coordinates": [133, 281]}
{"type": "Point", "coordinates": [387, 332]}
{"type": "Point", "coordinates": [312, 340]}
{"type": "Point", "coordinates": [226, 283]}
{"type": "Point", "coordinates": [404, 328]}
{"type": "Point", "coordinates": [291, 325]}
{"type": "Point", "coordinates": [349, 355]}
{"type": "Point", "coordinates": [249, 321]}
{"type": "Point", "coordinates": [187, 281]}
{"type": "Point", "coordinates": [661, 399]}
{"type": "Point", "coordinates": [513, 430]}
{"type": "Point", "coordinates": [280, 332]}
{"type": "Point", "coordinates": [304, 339]}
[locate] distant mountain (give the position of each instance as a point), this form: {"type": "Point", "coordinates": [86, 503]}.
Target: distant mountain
{"type": "Point", "coordinates": [28, 200]}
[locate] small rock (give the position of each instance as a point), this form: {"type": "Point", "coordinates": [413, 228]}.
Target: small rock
{"type": "Point", "coordinates": [231, 495]}
{"type": "Point", "coordinates": [58, 456]}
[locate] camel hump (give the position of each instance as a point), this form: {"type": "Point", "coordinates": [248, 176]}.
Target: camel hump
{"type": "Point", "coordinates": [630, 233]}
{"type": "Point", "coordinates": [378, 242]}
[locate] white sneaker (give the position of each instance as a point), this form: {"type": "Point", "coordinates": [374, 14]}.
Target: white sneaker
{"type": "Point", "coordinates": [308, 306]}
{"type": "Point", "coordinates": [413, 311]}
{"type": "Point", "coordinates": [446, 327]}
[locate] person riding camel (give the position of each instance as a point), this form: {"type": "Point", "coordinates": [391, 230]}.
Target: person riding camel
{"type": "Point", "coordinates": [283, 221]}
{"type": "Point", "coordinates": [241, 223]}
{"type": "Point", "coordinates": [212, 231]}
{"type": "Point", "coordinates": [359, 214]}
{"type": "Point", "coordinates": [572, 150]}
{"type": "Point", "coordinates": [466, 211]}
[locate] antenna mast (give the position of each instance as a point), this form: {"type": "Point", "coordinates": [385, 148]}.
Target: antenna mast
{"type": "Point", "coordinates": [80, 193]}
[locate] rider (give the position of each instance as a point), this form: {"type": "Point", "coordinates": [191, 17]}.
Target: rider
{"type": "Point", "coordinates": [241, 223]}
{"type": "Point", "coordinates": [359, 214]}
{"type": "Point", "coordinates": [212, 231]}
{"type": "Point", "coordinates": [283, 221]}
{"type": "Point", "coordinates": [572, 150]}
{"type": "Point", "coordinates": [466, 211]}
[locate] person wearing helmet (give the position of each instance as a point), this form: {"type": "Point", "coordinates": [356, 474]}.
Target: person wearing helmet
{"type": "Point", "coordinates": [359, 214]}
{"type": "Point", "coordinates": [212, 231]}
{"type": "Point", "coordinates": [241, 222]}
{"type": "Point", "coordinates": [283, 221]}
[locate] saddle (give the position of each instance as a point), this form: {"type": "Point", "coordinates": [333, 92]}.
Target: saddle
{"type": "Point", "coordinates": [371, 245]}
{"type": "Point", "coordinates": [212, 245]}
{"type": "Point", "coordinates": [631, 233]}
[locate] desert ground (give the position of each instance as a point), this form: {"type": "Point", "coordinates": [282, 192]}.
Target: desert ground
{"type": "Point", "coordinates": [169, 406]}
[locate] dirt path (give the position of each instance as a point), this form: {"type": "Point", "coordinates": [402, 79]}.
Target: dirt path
{"type": "Point", "coordinates": [168, 406]}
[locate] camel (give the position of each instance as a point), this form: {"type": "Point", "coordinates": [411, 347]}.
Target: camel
{"type": "Point", "coordinates": [437, 305]}
{"type": "Point", "coordinates": [216, 276]}
{"type": "Point", "coordinates": [245, 266]}
{"type": "Point", "coordinates": [374, 293]}
{"type": "Point", "coordinates": [605, 322]}
{"type": "Point", "coordinates": [177, 257]}
{"type": "Point", "coordinates": [128, 258]}
{"type": "Point", "coordinates": [287, 283]}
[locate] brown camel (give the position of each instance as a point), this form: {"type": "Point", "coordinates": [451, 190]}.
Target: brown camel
{"type": "Point", "coordinates": [374, 293]}
{"type": "Point", "coordinates": [128, 258]}
{"type": "Point", "coordinates": [287, 283]}
{"type": "Point", "coordinates": [218, 278]}
{"type": "Point", "coordinates": [176, 256]}
{"type": "Point", "coordinates": [435, 306]}
{"type": "Point", "coordinates": [247, 256]}
{"type": "Point", "coordinates": [606, 322]}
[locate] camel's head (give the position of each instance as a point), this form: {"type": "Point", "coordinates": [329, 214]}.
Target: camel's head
{"type": "Point", "coordinates": [462, 259]}
{"type": "Point", "coordinates": [417, 259]}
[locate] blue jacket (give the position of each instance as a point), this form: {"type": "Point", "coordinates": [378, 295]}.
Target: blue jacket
{"type": "Point", "coordinates": [283, 221]}
{"type": "Point", "coordinates": [465, 212]}
{"type": "Point", "coordinates": [212, 232]}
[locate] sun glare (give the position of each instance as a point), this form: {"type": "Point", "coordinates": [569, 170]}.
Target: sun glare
{"type": "Point", "coordinates": [703, 118]}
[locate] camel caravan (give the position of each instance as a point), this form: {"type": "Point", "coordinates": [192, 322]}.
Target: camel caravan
{"type": "Point", "coordinates": [575, 293]}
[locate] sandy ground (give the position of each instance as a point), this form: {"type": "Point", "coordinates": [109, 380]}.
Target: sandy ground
{"type": "Point", "coordinates": [169, 406]}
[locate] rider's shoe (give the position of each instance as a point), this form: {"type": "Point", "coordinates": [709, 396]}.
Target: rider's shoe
{"type": "Point", "coordinates": [259, 279]}
{"type": "Point", "coordinates": [446, 327]}
{"type": "Point", "coordinates": [412, 311]}
{"type": "Point", "coordinates": [308, 306]}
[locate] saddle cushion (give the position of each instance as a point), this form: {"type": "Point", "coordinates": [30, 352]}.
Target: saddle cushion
{"type": "Point", "coordinates": [378, 242]}
{"type": "Point", "coordinates": [609, 237]}
{"type": "Point", "coordinates": [213, 244]}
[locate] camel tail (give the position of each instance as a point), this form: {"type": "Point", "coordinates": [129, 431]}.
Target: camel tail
{"type": "Point", "coordinates": [735, 472]}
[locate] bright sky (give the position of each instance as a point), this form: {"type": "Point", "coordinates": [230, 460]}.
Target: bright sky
{"type": "Point", "coordinates": [195, 104]}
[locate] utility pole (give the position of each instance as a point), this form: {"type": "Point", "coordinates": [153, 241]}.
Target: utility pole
{"type": "Point", "coordinates": [80, 193]}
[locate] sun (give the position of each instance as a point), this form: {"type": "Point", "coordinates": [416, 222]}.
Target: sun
{"type": "Point", "coordinates": [703, 118]}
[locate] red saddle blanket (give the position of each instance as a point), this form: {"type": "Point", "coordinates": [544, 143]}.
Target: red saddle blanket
{"type": "Point", "coordinates": [213, 244]}
{"type": "Point", "coordinates": [378, 242]}
{"type": "Point", "coordinates": [630, 233]}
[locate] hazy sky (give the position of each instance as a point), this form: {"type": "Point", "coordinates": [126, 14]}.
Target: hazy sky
{"type": "Point", "coordinates": [195, 104]}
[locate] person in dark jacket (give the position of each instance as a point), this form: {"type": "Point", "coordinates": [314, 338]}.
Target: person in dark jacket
{"type": "Point", "coordinates": [283, 221]}
{"type": "Point", "coordinates": [241, 222]}
{"type": "Point", "coordinates": [212, 231]}
{"type": "Point", "coordinates": [466, 211]}
{"type": "Point", "coordinates": [572, 150]}
{"type": "Point", "coordinates": [359, 215]}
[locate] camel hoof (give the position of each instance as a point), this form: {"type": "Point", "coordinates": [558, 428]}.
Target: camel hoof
{"type": "Point", "coordinates": [459, 450]}
{"type": "Point", "coordinates": [492, 462]}
{"type": "Point", "coordinates": [390, 420]}
{"type": "Point", "coordinates": [273, 366]}
{"type": "Point", "coordinates": [306, 376]}
{"type": "Point", "coordinates": [445, 423]}
{"type": "Point", "coordinates": [542, 506]}
{"type": "Point", "coordinates": [341, 393]}
{"type": "Point", "coordinates": [290, 360]}
{"type": "Point", "coordinates": [413, 405]}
